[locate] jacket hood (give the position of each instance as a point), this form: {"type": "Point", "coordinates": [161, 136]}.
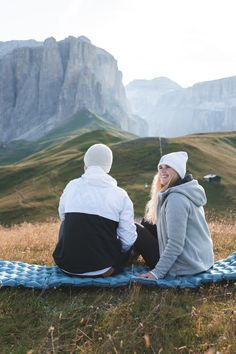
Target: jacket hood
{"type": "Point", "coordinates": [95, 176]}
{"type": "Point", "coordinates": [192, 190]}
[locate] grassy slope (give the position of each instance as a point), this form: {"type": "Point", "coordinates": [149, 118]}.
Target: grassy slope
{"type": "Point", "coordinates": [30, 189]}
{"type": "Point", "coordinates": [79, 124]}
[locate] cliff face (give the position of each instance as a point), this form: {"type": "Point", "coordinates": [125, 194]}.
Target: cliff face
{"type": "Point", "coordinates": [205, 107]}
{"type": "Point", "coordinates": [9, 46]}
{"type": "Point", "coordinates": [43, 86]}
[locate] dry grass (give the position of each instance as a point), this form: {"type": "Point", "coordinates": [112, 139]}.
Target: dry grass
{"type": "Point", "coordinates": [34, 243]}
{"type": "Point", "coordinates": [224, 237]}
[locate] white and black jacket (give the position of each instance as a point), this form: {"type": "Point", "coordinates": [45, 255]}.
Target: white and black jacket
{"type": "Point", "coordinates": [98, 223]}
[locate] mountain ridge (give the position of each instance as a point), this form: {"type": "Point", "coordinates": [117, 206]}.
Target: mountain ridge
{"type": "Point", "coordinates": [79, 124]}
{"type": "Point", "coordinates": [9, 46]}
{"type": "Point", "coordinates": [170, 111]}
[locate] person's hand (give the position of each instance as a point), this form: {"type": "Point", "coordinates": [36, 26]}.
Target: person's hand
{"type": "Point", "coordinates": [147, 276]}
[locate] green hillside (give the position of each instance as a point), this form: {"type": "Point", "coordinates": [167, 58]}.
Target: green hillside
{"type": "Point", "coordinates": [79, 124]}
{"type": "Point", "coordinates": [30, 189]}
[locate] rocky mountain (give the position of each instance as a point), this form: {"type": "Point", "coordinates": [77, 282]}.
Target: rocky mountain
{"type": "Point", "coordinates": [43, 86]}
{"type": "Point", "coordinates": [9, 46]}
{"type": "Point", "coordinates": [171, 110]}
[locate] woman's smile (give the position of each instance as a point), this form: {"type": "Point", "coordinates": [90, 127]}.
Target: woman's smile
{"type": "Point", "coordinates": [164, 178]}
{"type": "Point", "coordinates": [166, 173]}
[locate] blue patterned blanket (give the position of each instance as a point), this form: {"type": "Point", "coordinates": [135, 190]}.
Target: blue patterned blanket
{"type": "Point", "coordinates": [14, 274]}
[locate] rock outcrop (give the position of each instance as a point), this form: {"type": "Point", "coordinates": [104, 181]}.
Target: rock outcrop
{"type": "Point", "coordinates": [42, 86]}
{"type": "Point", "coordinates": [174, 111]}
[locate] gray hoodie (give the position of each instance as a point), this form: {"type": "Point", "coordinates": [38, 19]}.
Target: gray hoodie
{"type": "Point", "coordinates": [184, 238]}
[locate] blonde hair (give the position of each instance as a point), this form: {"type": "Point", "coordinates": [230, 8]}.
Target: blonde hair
{"type": "Point", "coordinates": [156, 188]}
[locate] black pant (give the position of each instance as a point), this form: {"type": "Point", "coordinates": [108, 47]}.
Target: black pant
{"type": "Point", "coordinates": [146, 243]}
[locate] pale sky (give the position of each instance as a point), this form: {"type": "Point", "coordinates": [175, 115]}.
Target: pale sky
{"type": "Point", "coordinates": [187, 41]}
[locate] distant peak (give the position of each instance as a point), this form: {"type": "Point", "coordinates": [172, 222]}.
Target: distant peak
{"type": "Point", "coordinates": [50, 40]}
{"type": "Point", "coordinates": [157, 82]}
{"type": "Point", "coordinates": [84, 39]}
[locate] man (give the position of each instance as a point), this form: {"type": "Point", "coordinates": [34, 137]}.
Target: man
{"type": "Point", "coordinates": [97, 217]}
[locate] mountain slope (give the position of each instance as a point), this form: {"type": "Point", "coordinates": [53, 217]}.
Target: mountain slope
{"type": "Point", "coordinates": [30, 189]}
{"type": "Point", "coordinates": [78, 124]}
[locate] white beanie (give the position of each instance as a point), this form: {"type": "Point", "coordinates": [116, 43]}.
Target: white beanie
{"type": "Point", "coordinates": [176, 160]}
{"type": "Point", "coordinates": [99, 155]}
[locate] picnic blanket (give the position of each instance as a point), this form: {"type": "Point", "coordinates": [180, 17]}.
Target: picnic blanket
{"type": "Point", "coordinates": [15, 274]}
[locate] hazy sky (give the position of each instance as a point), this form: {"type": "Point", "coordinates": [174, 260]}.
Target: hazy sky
{"type": "Point", "coordinates": [186, 40]}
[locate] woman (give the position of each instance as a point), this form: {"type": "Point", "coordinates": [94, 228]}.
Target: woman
{"type": "Point", "coordinates": [176, 207]}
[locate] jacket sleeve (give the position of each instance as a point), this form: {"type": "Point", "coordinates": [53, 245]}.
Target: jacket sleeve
{"type": "Point", "coordinates": [176, 218]}
{"type": "Point", "coordinates": [61, 207]}
{"type": "Point", "coordinates": [126, 230]}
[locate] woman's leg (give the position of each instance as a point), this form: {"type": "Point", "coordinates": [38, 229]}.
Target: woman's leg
{"type": "Point", "coordinates": [147, 245]}
{"type": "Point", "coordinates": [150, 227]}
